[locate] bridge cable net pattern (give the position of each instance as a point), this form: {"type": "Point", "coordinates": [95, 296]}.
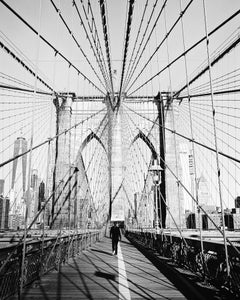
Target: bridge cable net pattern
{"type": "Point", "coordinates": [81, 130]}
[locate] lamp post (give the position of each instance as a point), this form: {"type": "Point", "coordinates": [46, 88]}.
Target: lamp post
{"type": "Point", "coordinates": [155, 170]}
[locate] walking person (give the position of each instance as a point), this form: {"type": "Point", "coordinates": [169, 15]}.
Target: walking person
{"type": "Point", "coordinates": [115, 235]}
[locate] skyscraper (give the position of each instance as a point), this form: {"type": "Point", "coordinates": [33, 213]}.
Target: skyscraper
{"type": "Point", "coordinates": [20, 147]}
{"type": "Point", "coordinates": [237, 202]}
{"type": "Point", "coordinates": [34, 179]}
{"type": "Point", "coordinates": [4, 212]}
{"type": "Point", "coordinates": [2, 186]}
{"type": "Point", "coordinates": [203, 191]}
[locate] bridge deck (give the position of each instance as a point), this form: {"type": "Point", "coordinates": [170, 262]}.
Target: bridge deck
{"type": "Point", "coordinates": [97, 274]}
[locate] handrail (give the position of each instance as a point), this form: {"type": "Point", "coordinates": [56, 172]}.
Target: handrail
{"type": "Point", "coordinates": [39, 259]}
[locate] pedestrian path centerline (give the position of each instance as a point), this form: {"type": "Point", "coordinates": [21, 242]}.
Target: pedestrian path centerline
{"type": "Point", "coordinates": [123, 288]}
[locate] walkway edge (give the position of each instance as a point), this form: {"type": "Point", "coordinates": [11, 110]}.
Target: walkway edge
{"type": "Point", "coordinates": [188, 289]}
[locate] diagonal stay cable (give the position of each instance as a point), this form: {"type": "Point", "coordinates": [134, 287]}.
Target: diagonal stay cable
{"type": "Point", "coordinates": [213, 62]}
{"type": "Point", "coordinates": [49, 44]}
{"type": "Point", "coordinates": [188, 50]}
{"type": "Point", "coordinates": [16, 81]}
{"type": "Point", "coordinates": [75, 40]}
{"type": "Point", "coordinates": [140, 45]}
{"type": "Point", "coordinates": [16, 88]}
{"type": "Point", "coordinates": [128, 30]}
{"type": "Point", "coordinates": [9, 43]}
{"type": "Point", "coordinates": [149, 37]}
{"type": "Point", "coordinates": [136, 40]}
{"type": "Point", "coordinates": [51, 139]}
{"type": "Point", "coordinates": [25, 66]}
{"type": "Point", "coordinates": [161, 43]}
{"type": "Point", "coordinates": [106, 39]}
{"type": "Point", "coordinates": [99, 56]}
{"type": "Point", "coordinates": [96, 40]}
{"type": "Point", "coordinates": [188, 138]}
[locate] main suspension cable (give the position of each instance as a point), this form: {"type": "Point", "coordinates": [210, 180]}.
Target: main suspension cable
{"type": "Point", "coordinates": [161, 43]}
{"type": "Point", "coordinates": [136, 40]}
{"type": "Point", "coordinates": [140, 44]}
{"type": "Point", "coordinates": [128, 30]}
{"type": "Point", "coordinates": [75, 40]}
{"type": "Point", "coordinates": [25, 66]}
{"type": "Point", "coordinates": [188, 50]}
{"type": "Point", "coordinates": [215, 138]}
{"type": "Point", "coordinates": [148, 39]}
{"type": "Point", "coordinates": [49, 44]}
{"type": "Point", "coordinates": [106, 40]}
{"type": "Point", "coordinates": [95, 47]}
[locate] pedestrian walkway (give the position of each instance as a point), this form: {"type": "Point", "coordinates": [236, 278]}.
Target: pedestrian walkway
{"type": "Point", "coordinates": [97, 274]}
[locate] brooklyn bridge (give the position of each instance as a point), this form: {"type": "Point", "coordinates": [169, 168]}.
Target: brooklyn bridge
{"type": "Point", "coordinates": [120, 112]}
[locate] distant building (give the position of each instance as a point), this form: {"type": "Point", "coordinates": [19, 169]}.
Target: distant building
{"type": "Point", "coordinates": [33, 200]}
{"type": "Point", "coordinates": [20, 172]}
{"type": "Point", "coordinates": [16, 221]}
{"type": "Point", "coordinates": [4, 212]}
{"type": "Point", "coordinates": [187, 173]}
{"type": "Point", "coordinates": [20, 145]}
{"type": "Point", "coordinates": [41, 194]}
{"type": "Point", "coordinates": [2, 186]}
{"type": "Point", "coordinates": [209, 209]}
{"type": "Point", "coordinates": [203, 191]}
{"type": "Point", "coordinates": [237, 202]}
{"type": "Point", "coordinates": [34, 179]}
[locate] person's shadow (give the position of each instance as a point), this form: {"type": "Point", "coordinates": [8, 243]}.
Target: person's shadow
{"type": "Point", "coordinates": [101, 251]}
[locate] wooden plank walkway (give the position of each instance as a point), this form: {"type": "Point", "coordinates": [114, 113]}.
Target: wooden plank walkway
{"type": "Point", "coordinates": [97, 274]}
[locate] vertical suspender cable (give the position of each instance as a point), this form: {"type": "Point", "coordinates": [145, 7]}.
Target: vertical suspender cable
{"type": "Point", "coordinates": [191, 128]}
{"type": "Point", "coordinates": [49, 155]}
{"type": "Point", "coordinates": [46, 188]}
{"type": "Point", "coordinates": [173, 119]}
{"type": "Point", "coordinates": [215, 139]}
{"type": "Point", "coordinates": [69, 166]}
{"type": "Point", "coordinates": [76, 177]}
{"type": "Point", "coordinates": [30, 155]}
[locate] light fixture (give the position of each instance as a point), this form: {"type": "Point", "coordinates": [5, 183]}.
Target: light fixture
{"type": "Point", "coordinates": [155, 171]}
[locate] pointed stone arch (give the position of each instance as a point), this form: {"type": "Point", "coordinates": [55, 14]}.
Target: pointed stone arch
{"type": "Point", "coordinates": [88, 139]}
{"type": "Point", "coordinates": [147, 141]}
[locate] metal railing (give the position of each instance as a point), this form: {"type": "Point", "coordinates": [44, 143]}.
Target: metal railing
{"type": "Point", "coordinates": [41, 257]}
{"type": "Point", "coordinates": [209, 265]}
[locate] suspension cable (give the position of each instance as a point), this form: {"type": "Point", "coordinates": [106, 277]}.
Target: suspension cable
{"type": "Point", "coordinates": [75, 40]}
{"type": "Point", "coordinates": [127, 36]}
{"type": "Point", "coordinates": [99, 56]}
{"type": "Point", "coordinates": [215, 137]}
{"type": "Point", "coordinates": [192, 137]}
{"type": "Point", "coordinates": [15, 88]}
{"type": "Point", "coordinates": [97, 43]}
{"type": "Point", "coordinates": [136, 40]}
{"type": "Point", "coordinates": [173, 121]}
{"type": "Point", "coordinates": [148, 39]}
{"type": "Point", "coordinates": [50, 45]}
{"type": "Point", "coordinates": [140, 45]}
{"type": "Point", "coordinates": [19, 60]}
{"type": "Point", "coordinates": [16, 80]}
{"type": "Point", "coordinates": [106, 39]}
{"type": "Point", "coordinates": [34, 220]}
{"type": "Point", "coordinates": [188, 50]}
{"type": "Point", "coordinates": [28, 196]}
{"type": "Point", "coordinates": [212, 63]}
{"type": "Point", "coordinates": [50, 139]}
